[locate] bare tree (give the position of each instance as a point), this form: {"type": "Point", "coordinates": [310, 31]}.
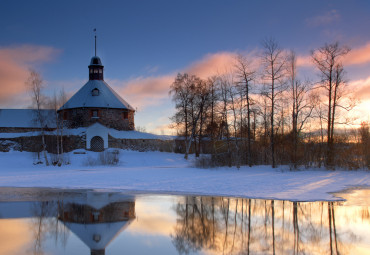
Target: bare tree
{"type": "Point", "coordinates": [233, 101]}
{"type": "Point", "coordinates": [273, 60]}
{"type": "Point", "coordinates": [35, 86]}
{"type": "Point", "coordinates": [212, 124]}
{"type": "Point", "coordinates": [192, 96]}
{"type": "Point", "coordinates": [328, 60]}
{"type": "Point", "coordinates": [365, 142]}
{"type": "Point", "coordinates": [180, 93]}
{"type": "Point", "coordinates": [301, 104]}
{"type": "Point", "coordinates": [55, 105]}
{"type": "Point", "coordinates": [224, 121]}
{"type": "Point", "coordinates": [246, 75]}
{"type": "Point", "coordinates": [63, 100]}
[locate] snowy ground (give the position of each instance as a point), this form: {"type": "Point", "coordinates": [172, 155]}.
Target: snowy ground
{"type": "Point", "coordinates": [170, 173]}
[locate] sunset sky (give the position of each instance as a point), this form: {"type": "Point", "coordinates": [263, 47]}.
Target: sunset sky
{"type": "Point", "coordinates": [144, 44]}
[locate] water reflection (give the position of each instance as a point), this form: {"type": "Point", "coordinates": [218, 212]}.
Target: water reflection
{"type": "Point", "coordinates": [96, 218]}
{"type": "Point", "coordinates": [59, 221]}
{"type": "Point", "coordinates": [95, 222]}
{"type": "Point", "coordinates": [246, 226]}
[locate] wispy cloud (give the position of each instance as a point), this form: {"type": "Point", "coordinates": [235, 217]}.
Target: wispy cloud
{"type": "Point", "coordinates": [361, 88]}
{"type": "Point", "coordinates": [143, 92]}
{"type": "Point", "coordinates": [359, 55]}
{"type": "Point", "coordinates": [212, 64]}
{"type": "Point", "coordinates": [361, 92]}
{"type": "Point", "coordinates": [304, 61]}
{"type": "Point", "coordinates": [323, 19]}
{"type": "Point", "coordinates": [14, 65]}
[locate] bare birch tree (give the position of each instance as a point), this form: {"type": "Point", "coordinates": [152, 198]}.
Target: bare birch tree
{"type": "Point", "coordinates": [192, 96]}
{"type": "Point", "coordinates": [328, 59]}
{"type": "Point", "coordinates": [63, 100]}
{"type": "Point", "coordinates": [180, 93]}
{"type": "Point", "coordinates": [301, 105]}
{"type": "Point", "coordinates": [273, 60]}
{"type": "Point", "coordinates": [246, 76]}
{"type": "Point", "coordinates": [55, 105]}
{"type": "Point", "coordinates": [35, 87]}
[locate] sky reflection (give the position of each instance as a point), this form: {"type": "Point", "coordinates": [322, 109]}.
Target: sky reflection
{"type": "Point", "coordinates": [84, 222]}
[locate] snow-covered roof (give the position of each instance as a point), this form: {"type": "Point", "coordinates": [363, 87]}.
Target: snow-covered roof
{"type": "Point", "coordinates": [106, 231]}
{"type": "Point", "coordinates": [104, 97]}
{"type": "Point", "coordinates": [25, 118]}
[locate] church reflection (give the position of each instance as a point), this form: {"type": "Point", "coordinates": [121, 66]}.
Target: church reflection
{"type": "Point", "coordinates": [98, 220]}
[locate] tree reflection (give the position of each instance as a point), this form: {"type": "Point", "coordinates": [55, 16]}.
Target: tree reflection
{"type": "Point", "coordinates": [226, 225]}
{"type": "Point", "coordinates": [210, 225]}
{"type": "Point", "coordinates": [45, 223]}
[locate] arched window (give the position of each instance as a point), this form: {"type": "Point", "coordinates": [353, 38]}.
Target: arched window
{"type": "Point", "coordinates": [95, 92]}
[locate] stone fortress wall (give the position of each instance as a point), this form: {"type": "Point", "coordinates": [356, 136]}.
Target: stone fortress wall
{"type": "Point", "coordinates": [74, 142]}
{"type": "Point", "coordinates": [118, 119]}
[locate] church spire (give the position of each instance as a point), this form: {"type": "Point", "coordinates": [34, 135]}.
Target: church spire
{"type": "Point", "coordinates": [95, 40]}
{"type": "Point", "coordinates": [96, 67]}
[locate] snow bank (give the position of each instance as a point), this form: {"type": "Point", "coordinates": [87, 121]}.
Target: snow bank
{"type": "Point", "coordinates": [80, 131]}
{"type": "Point", "coordinates": [169, 173]}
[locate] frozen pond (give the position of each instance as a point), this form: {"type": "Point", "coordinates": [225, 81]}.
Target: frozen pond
{"type": "Point", "coordinates": [56, 221]}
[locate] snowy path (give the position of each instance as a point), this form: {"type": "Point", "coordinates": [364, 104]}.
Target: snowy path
{"type": "Point", "coordinates": [170, 173]}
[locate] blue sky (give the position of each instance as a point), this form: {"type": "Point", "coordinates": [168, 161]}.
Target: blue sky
{"type": "Point", "coordinates": [144, 41]}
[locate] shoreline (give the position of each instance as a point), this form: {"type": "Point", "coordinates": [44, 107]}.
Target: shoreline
{"type": "Point", "coordinates": [168, 173]}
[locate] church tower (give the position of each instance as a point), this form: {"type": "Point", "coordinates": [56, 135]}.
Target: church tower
{"type": "Point", "coordinates": [96, 102]}
{"type": "Point", "coordinates": [96, 69]}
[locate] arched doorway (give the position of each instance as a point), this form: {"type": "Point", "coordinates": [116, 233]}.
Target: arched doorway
{"type": "Point", "coordinates": [97, 143]}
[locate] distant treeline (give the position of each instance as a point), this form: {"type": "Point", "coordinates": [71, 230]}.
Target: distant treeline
{"type": "Point", "coordinates": [262, 112]}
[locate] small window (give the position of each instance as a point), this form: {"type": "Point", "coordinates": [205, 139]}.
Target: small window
{"type": "Point", "coordinates": [65, 115]}
{"type": "Point", "coordinates": [125, 115]}
{"type": "Point", "coordinates": [100, 71]}
{"type": "Point", "coordinates": [95, 92]}
{"type": "Point", "coordinates": [95, 71]}
{"type": "Point", "coordinates": [95, 114]}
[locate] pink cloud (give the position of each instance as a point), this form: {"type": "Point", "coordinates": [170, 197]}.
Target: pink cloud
{"type": "Point", "coordinates": [29, 53]}
{"type": "Point", "coordinates": [304, 61]}
{"type": "Point", "coordinates": [14, 65]}
{"type": "Point", "coordinates": [142, 92]}
{"type": "Point", "coordinates": [147, 91]}
{"type": "Point", "coordinates": [361, 88]}
{"type": "Point", "coordinates": [212, 64]}
{"type": "Point", "coordinates": [358, 56]}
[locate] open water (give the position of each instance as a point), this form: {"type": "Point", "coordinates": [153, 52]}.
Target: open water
{"type": "Point", "coordinates": [56, 221]}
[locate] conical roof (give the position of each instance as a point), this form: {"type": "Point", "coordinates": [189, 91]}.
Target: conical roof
{"type": "Point", "coordinates": [104, 232]}
{"type": "Point", "coordinates": [96, 93]}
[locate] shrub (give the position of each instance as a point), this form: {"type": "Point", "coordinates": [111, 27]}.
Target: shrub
{"type": "Point", "coordinates": [107, 157]}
